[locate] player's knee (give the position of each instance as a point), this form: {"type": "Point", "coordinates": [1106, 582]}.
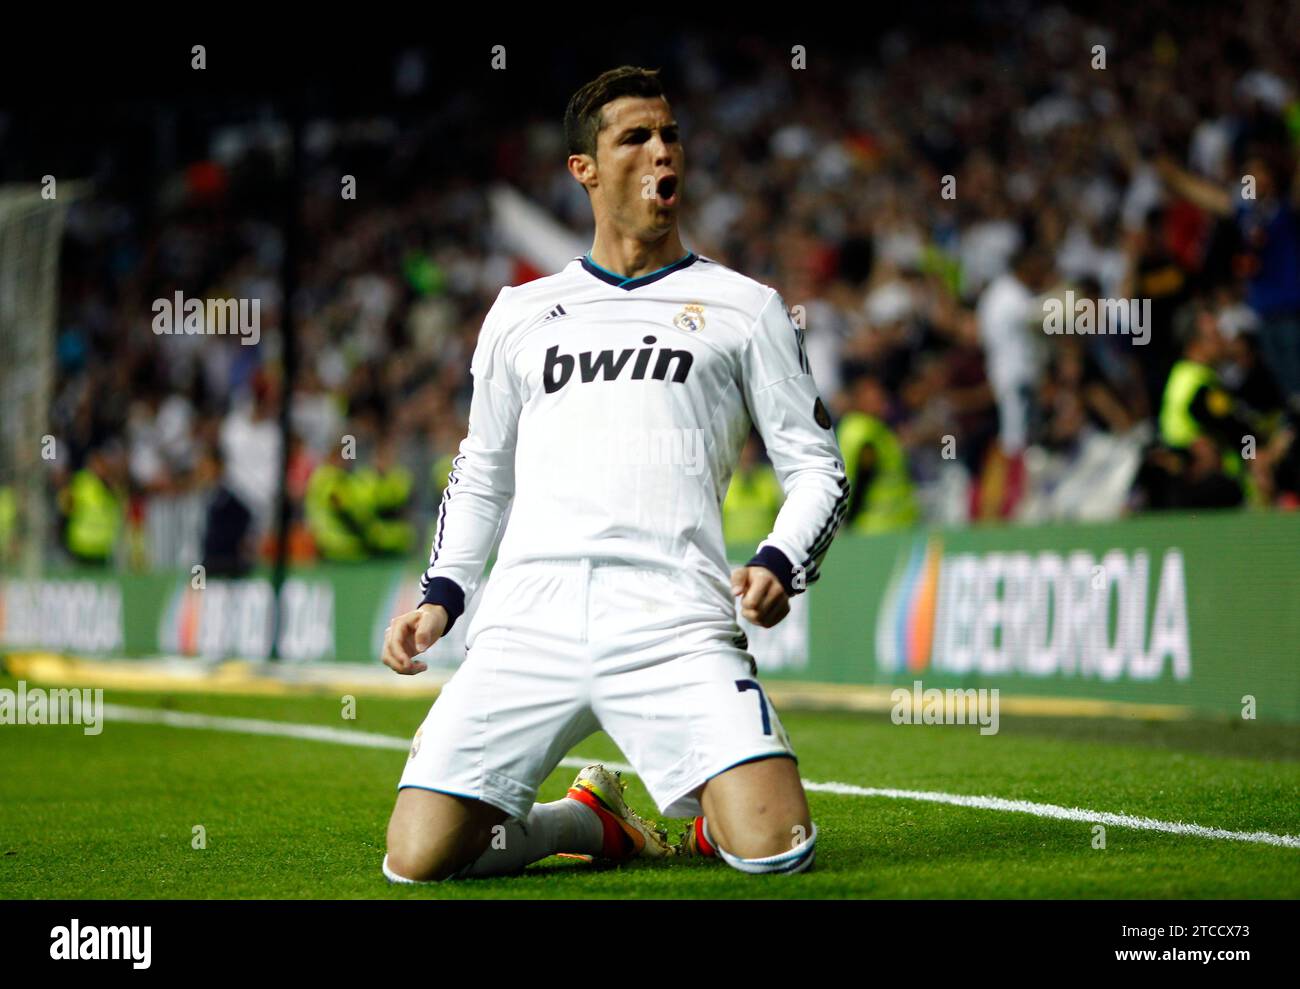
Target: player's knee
{"type": "Point", "coordinates": [763, 836]}
{"type": "Point", "coordinates": [421, 856]}
{"type": "Point", "coordinates": [406, 863]}
{"type": "Point", "coordinates": [792, 852]}
{"type": "Point", "coordinates": [399, 870]}
{"type": "Point", "coordinates": [434, 836]}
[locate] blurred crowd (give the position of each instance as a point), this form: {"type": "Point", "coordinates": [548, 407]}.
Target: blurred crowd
{"type": "Point", "coordinates": [918, 206]}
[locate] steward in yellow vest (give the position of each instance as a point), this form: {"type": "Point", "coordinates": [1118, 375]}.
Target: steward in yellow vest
{"type": "Point", "coordinates": [1204, 426]}
{"type": "Point", "coordinates": [8, 523]}
{"type": "Point", "coordinates": [1195, 403]}
{"type": "Point", "coordinates": [1197, 410]}
{"type": "Point", "coordinates": [335, 513]}
{"type": "Point", "coordinates": [383, 495]}
{"type": "Point", "coordinates": [94, 511]}
{"type": "Point", "coordinates": [883, 498]}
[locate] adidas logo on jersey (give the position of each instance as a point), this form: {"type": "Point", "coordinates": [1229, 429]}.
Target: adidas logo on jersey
{"type": "Point", "coordinates": [555, 313]}
{"type": "Point", "coordinates": [602, 364]}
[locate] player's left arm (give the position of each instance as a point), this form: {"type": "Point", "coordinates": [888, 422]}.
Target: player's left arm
{"type": "Point", "coordinates": [789, 414]}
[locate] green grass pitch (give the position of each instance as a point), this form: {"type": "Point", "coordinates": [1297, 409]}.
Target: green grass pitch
{"type": "Point", "coordinates": [112, 816]}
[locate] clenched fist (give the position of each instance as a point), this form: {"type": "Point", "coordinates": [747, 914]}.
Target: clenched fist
{"type": "Point", "coordinates": [763, 600]}
{"type": "Point", "coordinates": [411, 634]}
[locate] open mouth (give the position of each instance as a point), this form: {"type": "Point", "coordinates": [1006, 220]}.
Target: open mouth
{"type": "Point", "coordinates": [666, 190]}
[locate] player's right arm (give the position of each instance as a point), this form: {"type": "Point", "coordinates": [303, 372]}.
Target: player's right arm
{"type": "Point", "coordinates": [480, 486]}
{"type": "Point", "coordinates": [786, 408]}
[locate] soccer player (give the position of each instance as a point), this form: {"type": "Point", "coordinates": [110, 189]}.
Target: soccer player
{"type": "Point", "coordinates": [611, 402]}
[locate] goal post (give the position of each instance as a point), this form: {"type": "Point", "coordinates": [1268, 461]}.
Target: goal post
{"type": "Point", "coordinates": [31, 230]}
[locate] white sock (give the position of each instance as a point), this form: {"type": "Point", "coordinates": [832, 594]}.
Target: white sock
{"type": "Point", "coordinates": [393, 877]}
{"type": "Point", "coordinates": [561, 826]}
{"type": "Point", "coordinates": [797, 859]}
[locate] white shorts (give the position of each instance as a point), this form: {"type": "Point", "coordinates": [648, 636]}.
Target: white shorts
{"type": "Point", "coordinates": [561, 649]}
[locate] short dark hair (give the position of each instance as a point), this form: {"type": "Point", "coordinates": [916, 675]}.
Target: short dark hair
{"type": "Point", "coordinates": [582, 118]}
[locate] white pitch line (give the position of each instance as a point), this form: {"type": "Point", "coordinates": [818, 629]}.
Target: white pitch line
{"type": "Point", "coordinates": [370, 740]}
{"type": "Point", "coordinates": [1060, 813]}
{"type": "Point", "coordinates": [253, 726]}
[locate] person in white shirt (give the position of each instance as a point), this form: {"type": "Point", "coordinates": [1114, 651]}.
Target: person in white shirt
{"type": "Point", "coordinates": [1011, 330]}
{"type": "Point", "coordinates": [250, 448]}
{"type": "Point", "coordinates": [611, 402]}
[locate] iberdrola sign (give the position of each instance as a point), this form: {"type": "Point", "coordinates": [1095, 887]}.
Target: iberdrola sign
{"type": "Point", "coordinates": [1120, 614]}
{"type": "Point", "coordinates": [1196, 611]}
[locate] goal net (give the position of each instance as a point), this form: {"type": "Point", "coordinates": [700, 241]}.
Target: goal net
{"type": "Point", "coordinates": [31, 227]}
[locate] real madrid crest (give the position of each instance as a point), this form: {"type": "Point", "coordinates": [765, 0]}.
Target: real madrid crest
{"type": "Point", "coordinates": [415, 744]}
{"type": "Point", "coordinates": [690, 319]}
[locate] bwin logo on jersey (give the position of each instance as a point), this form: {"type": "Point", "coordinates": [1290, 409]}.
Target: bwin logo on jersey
{"type": "Point", "coordinates": [603, 364]}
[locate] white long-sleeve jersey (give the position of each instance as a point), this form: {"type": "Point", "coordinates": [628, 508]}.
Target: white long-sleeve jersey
{"type": "Point", "coordinates": [613, 411]}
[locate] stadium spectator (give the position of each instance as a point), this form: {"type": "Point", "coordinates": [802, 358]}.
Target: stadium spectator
{"type": "Point", "coordinates": [250, 450]}
{"type": "Point", "coordinates": [227, 547]}
{"type": "Point", "coordinates": [93, 506]}
{"type": "Point", "coordinates": [384, 492]}
{"type": "Point", "coordinates": [1205, 430]}
{"type": "Point", "coordinates": [882, 497]}
{"type": "Point", "coordinates": [8, 524]}
{"type": "Point", "coordinates": [1011, 329]}
{"type": "Point", "coordinates": [832, 186]}
{"type": "Point", "coordinates": [1153, 272]}
{"type": "Point", "coordinates": [336, 514]}
{"type": "Point", "coordinates": [1268, 221]}
{"type": "Point", "coordinates": [358, 513]}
